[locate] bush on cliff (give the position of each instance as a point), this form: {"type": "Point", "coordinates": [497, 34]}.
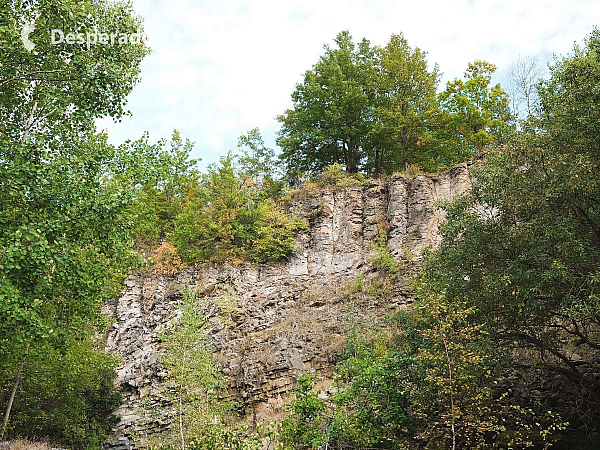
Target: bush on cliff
{"type": "Point", "coordinates": [226, 220]}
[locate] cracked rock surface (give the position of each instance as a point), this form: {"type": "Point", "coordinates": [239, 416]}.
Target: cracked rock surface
{"type": "Point", "coordinates": [288, 319]}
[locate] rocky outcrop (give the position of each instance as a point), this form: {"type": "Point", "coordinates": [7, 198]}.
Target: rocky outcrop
{"type": "Point", "coordinates": [286, 319]}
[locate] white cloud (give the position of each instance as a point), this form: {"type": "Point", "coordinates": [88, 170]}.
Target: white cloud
{"type": "Point", "coordinates": [219, 69]}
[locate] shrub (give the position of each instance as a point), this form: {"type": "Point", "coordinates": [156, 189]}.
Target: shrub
{"type": "Point", "coordinates": [334, 175]}
{"type": "Point", "coordinates": [227, 221]}
{"type": "Point", "coordinates": [307, 416]}
{"type": "Point", "coordinates": [383, 260]}
{"type": "Point", "coordinates": [427, 380]}
{"type": "Point", "coordinates": [168, 176]}
{"type": "Point", "coordinates": [67, 396]}
{"type": "Point", "coordinates": [167, 260]}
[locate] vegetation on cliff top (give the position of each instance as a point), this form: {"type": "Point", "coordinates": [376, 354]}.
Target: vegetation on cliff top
{"type": "Point", "coordinates": [375, 110]}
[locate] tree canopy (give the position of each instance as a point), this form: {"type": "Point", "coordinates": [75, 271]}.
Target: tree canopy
{"type": "Point", "coordinates": [502, 346]}
{"type": "Point", "coordinates": [473, 114]}
{"type": "Point", "coordinates": [64, 240]}
{"type": "Point", "coordinates": [523, 245]}
{"type": "Point", "coordinates": [360, 106]}
{"type": "Point", "coordinates": [375, 110]}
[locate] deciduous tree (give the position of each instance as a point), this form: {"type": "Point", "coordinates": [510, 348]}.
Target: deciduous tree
{"type": "Point", "coordinates": [473, 114]}
{"type": "Point", "coordinates": [523, 245]}
{"type": "Point", "coordinates": [332, 113]}
{"type": "Point", "coordinates": [63, 227]}
{"type": "Point", "coordinates": [361, 106]}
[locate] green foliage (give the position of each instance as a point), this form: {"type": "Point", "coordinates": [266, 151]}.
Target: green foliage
{"type": "Point", "coordinates": [226, 221]}
{"type": "Point", "coordinates": [205, 419]}
{"type": "Point", "coordinates": [327, 123]}
{"type": "Point", "coordinates": [522, 247]}
{"type": "Point", "coordinates": [256, 160]}
{"type": "Point", "coordinates": [334, 175]}
{"type": "Point", "coordinates": [226, 439]}
{"type": "Point", "coordinates": [258, 164]}
{"type": "Point", "coordinates": [428, 384]}
{"type": "Point", "coordinates": [515, 280]}
{"type": "Point", "coordinates": [68, 395]}
{"type": "Point", "coordinates": [383, 260]}
{"type": "Point", "coordinates": [410, 257]}
{"type": "Point", "coordinates": [64, 226]}
{"type": "Point", "coordinates": [195, 380]}
{"type": "Point", "coordinates": [360, 106]}
{"type": "Point", "coordinates": [59, 90]}
{"type": "Point", "coordinates": [357, 284]}
{"type": "Point", "coordinates": [306, 415]}
{"type": "Point", "coordinates": [427, 381]}
{"type": "Point", "coordinates": [404, 106]}
{"type": "Point", "coordinates": [64, 243]}
{"type": "Point", "coordinates": [472, 115]}
{"type": "Point", "coordinates": [170, 179]}
{"type": "Point", "coordinates": [375, 110]}
{"type": "Point", "coordinates": [228, 214]}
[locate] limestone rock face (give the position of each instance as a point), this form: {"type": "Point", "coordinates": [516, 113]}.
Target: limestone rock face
{"type": "Point", "coordinates": [286, 319]}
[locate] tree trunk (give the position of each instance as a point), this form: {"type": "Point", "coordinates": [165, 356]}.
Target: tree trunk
{"type": "Point", "coordinates": [29, 123]}
{"type": "Point", "coordinates": [351, 167]}
{"type": "Point", "coordinates": [12, 398]}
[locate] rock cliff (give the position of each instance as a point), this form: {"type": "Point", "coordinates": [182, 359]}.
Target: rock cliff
{"type": "Point", "coordinates": [286, 319]}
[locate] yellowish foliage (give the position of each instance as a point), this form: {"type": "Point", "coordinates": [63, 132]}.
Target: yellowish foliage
{"type": "Point", "coordinates": [167, 260]}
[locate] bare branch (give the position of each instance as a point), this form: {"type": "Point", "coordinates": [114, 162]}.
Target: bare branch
{"type": "Point", "coordinates": [524, 76]}
{"type": "Point", "coordinates": [29, 74]}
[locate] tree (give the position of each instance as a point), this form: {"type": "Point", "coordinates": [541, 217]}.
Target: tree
{"type": "Point", "coordinates": [458, 368]}
{"type": "Point", "coordinates": [256, 160]}
{"type": "Point", "coordinates": [64, 245]}
{"type": "Point", "coordinates": [473, 114]}
{"type": "Point", "coordinates": [331, 112]}
{"type": "Point", "coordinates": [523, 246]}
{"type": "Point", "coordinates": [259, 165]}
{"type": "Point", "coordinates": [405, 105]}
{"type": "Point", "coordinates": [205, 417]}
{"type": "Point", "coordinates": [66, 394]}
{"type": "Point", "coordinates": [361, 106]}
{"type": "Point", "coordinates": [197, 384]}
{"type": "Point", "coordinates": [64, 237]}
{"type": "Point", "coordinates": [524, 76]}
{"type": "Point", "coordinates": [63, 88]}
{"type": "Point", "coordinates": [170, 177]}
{"type": "Point", "coordinates": [307, 420]}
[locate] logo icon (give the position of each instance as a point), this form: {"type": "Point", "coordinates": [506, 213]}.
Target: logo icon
{"type": "Point", "coordinates": [27, 29]}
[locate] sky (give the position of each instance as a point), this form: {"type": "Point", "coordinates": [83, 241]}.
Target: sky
{"type": "Point", "coordinates": [220, 68]}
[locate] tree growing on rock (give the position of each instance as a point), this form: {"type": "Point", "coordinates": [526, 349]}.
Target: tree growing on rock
{"type": "Point", "coordinates": [473, 114]}
{"type": "Point", "coordinates": [361, 106]}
